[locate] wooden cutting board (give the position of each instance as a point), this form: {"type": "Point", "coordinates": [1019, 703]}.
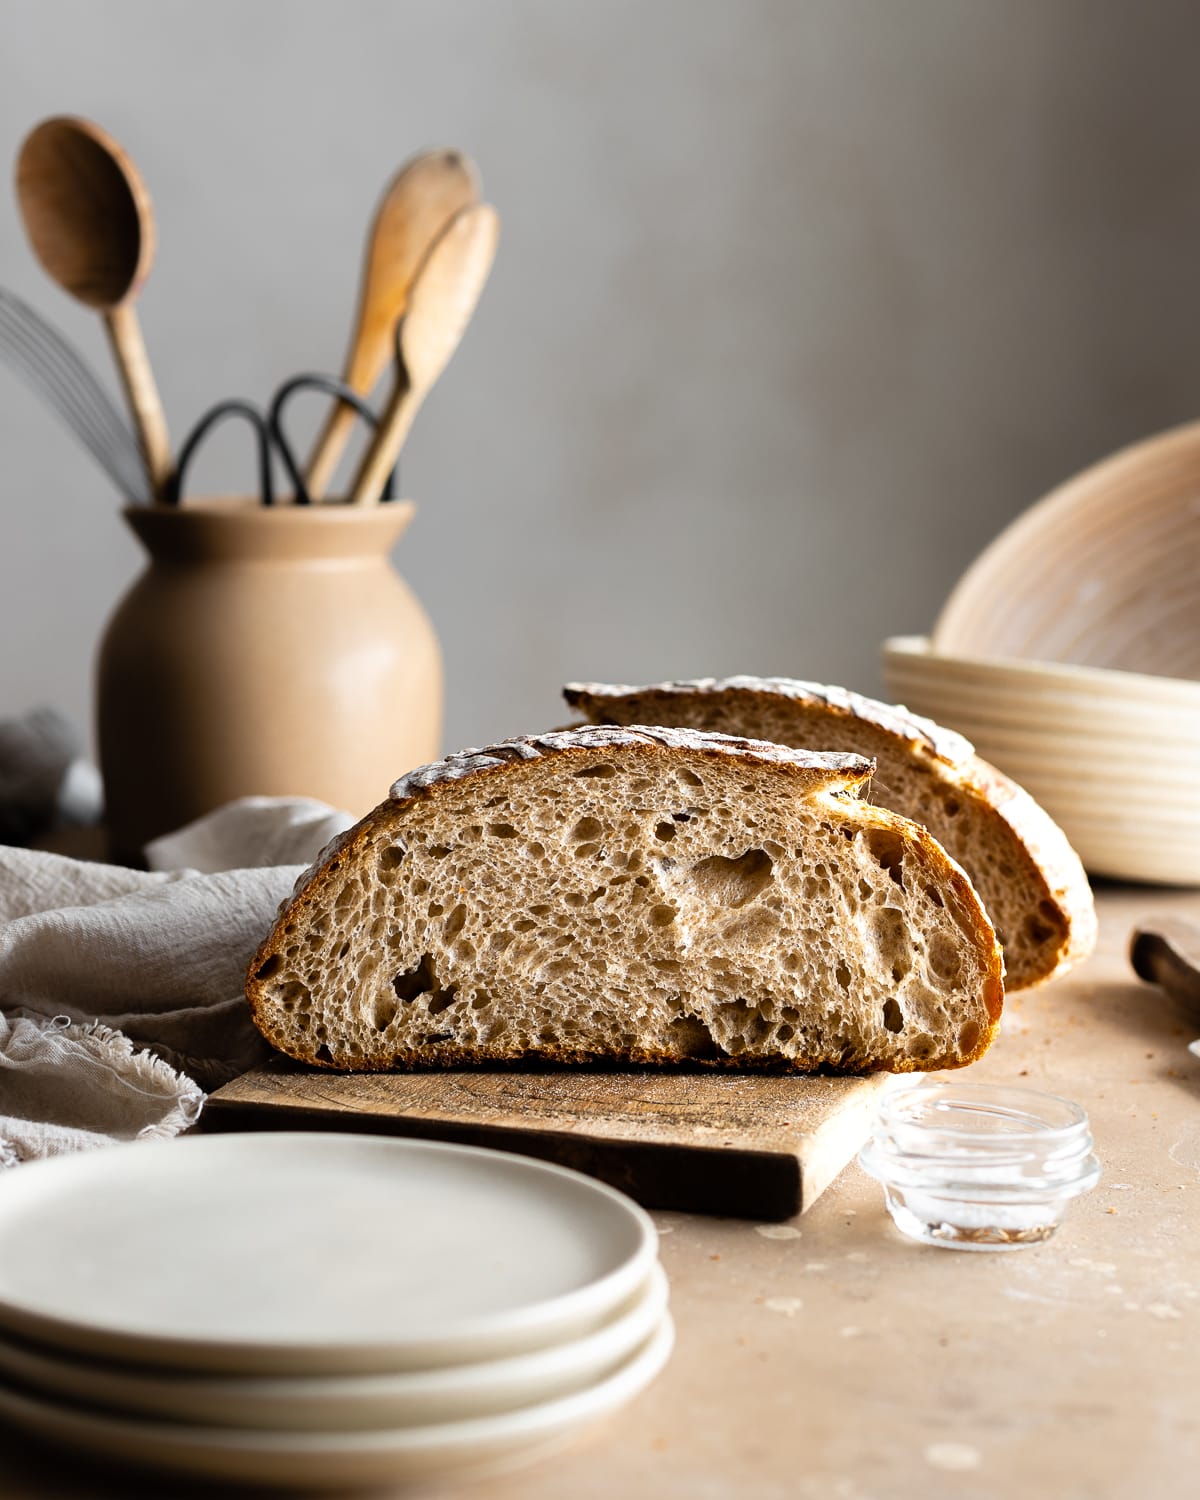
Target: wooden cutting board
{"type": "Point", "coordinates": [744, 1146]}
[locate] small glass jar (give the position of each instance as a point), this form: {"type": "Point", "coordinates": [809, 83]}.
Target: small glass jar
{"type": "Point", "coordinates": [976, 1166]}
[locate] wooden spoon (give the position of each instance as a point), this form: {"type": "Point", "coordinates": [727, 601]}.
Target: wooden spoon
{"type": "Point", "coordinates": [442, 298]}
{"type": "Point", "coordinates": [89, 219]}
{"type": "Point", "coordinates": [419, 202]}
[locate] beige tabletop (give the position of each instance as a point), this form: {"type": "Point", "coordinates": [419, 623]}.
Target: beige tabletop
{"type": "Point", "coordinates": [830, 1359]}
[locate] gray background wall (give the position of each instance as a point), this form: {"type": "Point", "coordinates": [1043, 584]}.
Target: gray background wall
{"type": "Point", "coordinates": [796, 305]}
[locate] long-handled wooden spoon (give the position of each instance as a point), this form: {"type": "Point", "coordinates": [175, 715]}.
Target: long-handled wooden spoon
{"type": "Point", "coordinates": [89, 219]}
{"type": "Point", "coordinates": [441, 300]}
{"type": "Point", "coordinates": [419, 202]}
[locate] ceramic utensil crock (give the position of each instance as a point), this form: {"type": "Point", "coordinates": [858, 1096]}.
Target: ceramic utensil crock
{"type": "Point", "coordinates": [263, 651]}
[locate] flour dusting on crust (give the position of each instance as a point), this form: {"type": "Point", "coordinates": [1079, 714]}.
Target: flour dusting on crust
{"type": "Point", "coordinates": [894, 718]}
{"type": "Point", "coordinates": [838, 768]}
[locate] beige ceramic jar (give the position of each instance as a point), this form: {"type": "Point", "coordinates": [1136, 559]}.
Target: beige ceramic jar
{"type": "Point", "coordinates": [264, 650]}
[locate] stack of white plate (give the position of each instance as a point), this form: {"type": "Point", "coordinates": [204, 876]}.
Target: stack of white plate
{"type": "Point", "coordinates": [320, 1310]}
{"type": "Point", "coordinates": [1113, 756]}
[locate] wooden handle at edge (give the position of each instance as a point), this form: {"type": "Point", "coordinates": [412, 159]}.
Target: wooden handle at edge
{"type": "Point", "coordinates": [137, 378]}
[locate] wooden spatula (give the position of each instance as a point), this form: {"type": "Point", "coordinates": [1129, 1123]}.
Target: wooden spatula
{"type": "Point", "coordinates": [418, 204]}
{"type": "Point", "coordinates": [441, 300]}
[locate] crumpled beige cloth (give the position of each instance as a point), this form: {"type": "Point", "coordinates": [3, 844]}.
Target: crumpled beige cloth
{"type": "Point", "coordinates": [121, 990]}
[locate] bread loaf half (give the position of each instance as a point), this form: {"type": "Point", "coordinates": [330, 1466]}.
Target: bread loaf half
{"type": "Point", "coordinates": [1029, 878]}
{"type": "Point", "coordinates": [640, 895]}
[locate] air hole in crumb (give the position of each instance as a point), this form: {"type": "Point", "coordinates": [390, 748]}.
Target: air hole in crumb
{"type": "Point", "coordinates": [690, 1037]}
{"type": "Point", "coordinates": [502, 830]}
{"type": "Point", "coordinates": [586, 830]}
{"type": "Point", "coordinates": [944, 958]}
{"type": "Point", "coordinates": [383, 1012]}
{"type": "Point", "coordinates": [952, 806]}
{"type": "Point", "coordinates": [293, 995]}
{"type": "Point", "coordinates": [455, 922]}
{"type": "Point", "coordinates": [271, 966]}
{"type": "Point", "coordinates": [585, 851]}
{"type": "Point", "coordinates": [391, 858]}
{"type": "Point", "coordinates": [662, 916]}
{"type": "Point", "coordinates": [893, 946]}
{"type": "Point", "coordinates": [418, 981]}
{"type": "Point", "coordinates": [602, 771]}
{"type": "Point", "coordinates": [689, 778]}
{"type": "Point", "coordinates": [842, 975]}
{"type": "Point", "coordinates": [734, 882]}
{"type": "Point", "coordinates": [1036, 931]}
{"type": "Point", "coordinates": [887, 846]}
{"type": "Point", "coordinates": [665, 832]}
{"type": "Point", "coordinates": [893, 1016]}
{"type": "Point", "coordinates": [323, 1054]}
{"type": "Point", "coordinates": [934, 895]}
{"type": "Point", "coordinates": [968, 1036]}
{"type": "Point", "coordinates": [744, 1021]}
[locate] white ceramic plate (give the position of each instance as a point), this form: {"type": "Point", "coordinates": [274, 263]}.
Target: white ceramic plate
{"type": "Point", "coordinates": [344, 1403]}
{"type": "Point", "coordinates": [449, 1451]}
{"type": "Point", "coordinates": [312, 1254]}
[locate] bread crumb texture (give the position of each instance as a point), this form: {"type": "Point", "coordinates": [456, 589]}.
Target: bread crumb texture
{"type": "Point", "coordinates": [1029, 879]}
{"type": "Point", "coordinates": [632, 895]}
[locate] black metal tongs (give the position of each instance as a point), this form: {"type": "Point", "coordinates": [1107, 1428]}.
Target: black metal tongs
{"type": "Point", "coordinates": [270, 436]}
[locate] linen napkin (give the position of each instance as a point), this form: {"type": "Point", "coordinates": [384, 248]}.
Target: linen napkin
{"type": "Point", "coordinates": [121, 990]}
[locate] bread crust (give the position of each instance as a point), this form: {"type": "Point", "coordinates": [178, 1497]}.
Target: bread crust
{"type": "Point", "coordinates": [843, 775]}
{"type": "Point", "coordinates": [1057, 884]}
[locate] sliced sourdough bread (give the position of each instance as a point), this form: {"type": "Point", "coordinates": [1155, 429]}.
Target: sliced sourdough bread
{"type": "Point", "coordinates": [1029, 878]}
{"type": "Point", "coordinates": [639, 895]}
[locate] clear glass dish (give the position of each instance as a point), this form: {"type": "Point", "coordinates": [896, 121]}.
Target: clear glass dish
{"type": "Point", "coordinates": [976, 1166]}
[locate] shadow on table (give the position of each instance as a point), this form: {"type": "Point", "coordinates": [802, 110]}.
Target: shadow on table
{"type": "Point", "coordinates": [38, 1470]}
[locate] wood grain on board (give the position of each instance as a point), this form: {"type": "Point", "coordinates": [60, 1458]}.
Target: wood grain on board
{"type": "Point", "coordinates": [746, 1146]}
